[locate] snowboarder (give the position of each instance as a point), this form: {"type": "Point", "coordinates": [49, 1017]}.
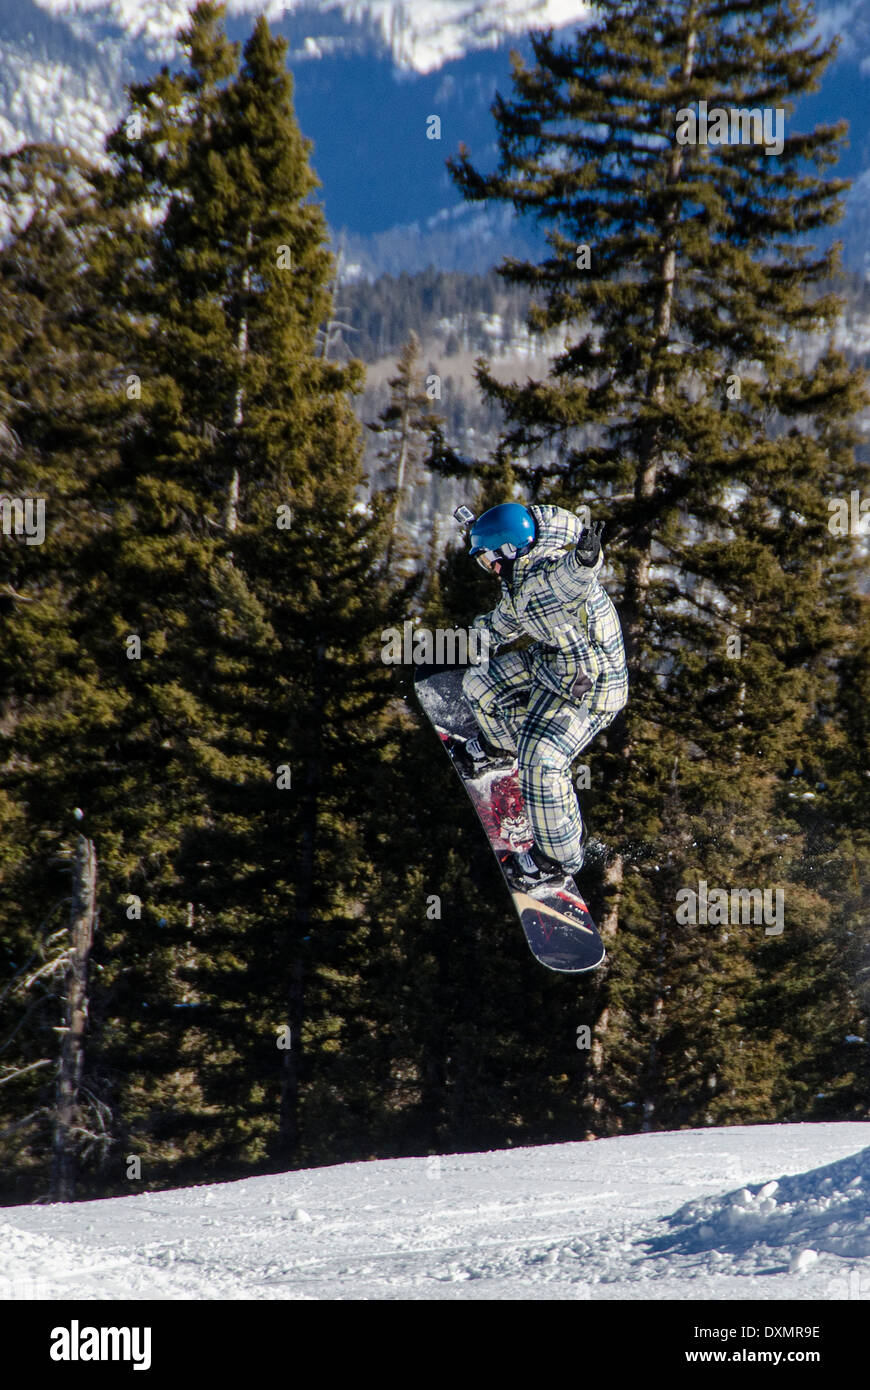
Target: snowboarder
{"type": "Point", "coordinates": [540, 707]}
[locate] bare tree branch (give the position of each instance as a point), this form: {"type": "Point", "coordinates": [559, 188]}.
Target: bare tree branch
{"type": "Point", "coordinates": [19, 1124]}
{"type": "Point", "coordinates": [31, 1066]}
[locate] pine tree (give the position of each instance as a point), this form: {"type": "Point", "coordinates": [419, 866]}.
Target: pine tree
{"type": "Point", "coordinates": [678, 277]}
{"type": "Point", "coordinates": [254, 446]}
{"type": "Point", "coordinates": [61, 410]}
{"type": "Point", "coordinates": [224, 696]}
{"type": "Point", "coordinates": [408, 421]}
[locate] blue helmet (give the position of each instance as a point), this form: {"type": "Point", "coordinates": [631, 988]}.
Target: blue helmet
{"type": "Point", "coordinates": [502, 533]}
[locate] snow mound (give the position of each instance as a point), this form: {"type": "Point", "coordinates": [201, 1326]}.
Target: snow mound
{"type": "Point", "coordinates": [690, 1214]}
{"type": "Point", "coordinates": [789, 1221]}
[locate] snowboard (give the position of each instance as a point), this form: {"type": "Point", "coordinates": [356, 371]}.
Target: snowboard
{"type": "Point", "coordinates": [558, 925]}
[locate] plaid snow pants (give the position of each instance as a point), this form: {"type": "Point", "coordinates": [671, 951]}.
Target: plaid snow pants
{"type": "Point", "coordinates": [547, 732]}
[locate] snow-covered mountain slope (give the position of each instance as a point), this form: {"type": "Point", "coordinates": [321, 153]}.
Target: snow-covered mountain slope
{"type": "Point", "coordinates": [419, 37]}
{"type": "Point", "coordinates": [368, 75]}
{"type": "Point", "coordinates": [762, 1212]}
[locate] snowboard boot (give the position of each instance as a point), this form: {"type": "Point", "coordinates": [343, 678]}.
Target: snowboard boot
{"type": "Point", "coordinates": [530, 868]}
{"type": "Point", "coordinates": [534, 867]}
{"type": "Point", "coordinates": [474, 757]}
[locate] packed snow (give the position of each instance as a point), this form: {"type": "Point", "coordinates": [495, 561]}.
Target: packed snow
{"type": "Point", "coordinates": [760, 1212]}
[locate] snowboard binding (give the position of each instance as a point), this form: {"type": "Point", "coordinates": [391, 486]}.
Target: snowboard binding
{"type": "Point", "coordinates": [532, 868]}
{"type": "Point", "coordinates": [493, 760]}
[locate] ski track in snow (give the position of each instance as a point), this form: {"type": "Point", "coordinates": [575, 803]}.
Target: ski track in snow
{"type": "Point", "coordinates": [772, 1211]}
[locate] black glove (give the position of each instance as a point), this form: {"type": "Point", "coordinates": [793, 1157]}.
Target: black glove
{"type": "Point", "coordinates": [589, 544]}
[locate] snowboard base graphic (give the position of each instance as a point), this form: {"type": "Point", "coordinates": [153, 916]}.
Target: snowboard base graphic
{"type": "Point", "coordinates": [557, 923]}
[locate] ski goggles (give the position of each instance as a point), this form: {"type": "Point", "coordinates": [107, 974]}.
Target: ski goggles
{"type": "Point", "coordinates": [487, 559]}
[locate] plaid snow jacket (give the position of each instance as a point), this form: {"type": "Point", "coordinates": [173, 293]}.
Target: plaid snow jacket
{"type": "Point", "coordinates": [579, 651]}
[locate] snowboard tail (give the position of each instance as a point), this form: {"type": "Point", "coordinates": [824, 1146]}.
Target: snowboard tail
{"type": "Point", "coordinates": [557, 924]}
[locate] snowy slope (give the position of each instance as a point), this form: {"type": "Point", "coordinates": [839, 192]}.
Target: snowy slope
{"type": "Point", "coordinates": [420, 37]}
{"type": "Point", "coordinates": [762, 1212]}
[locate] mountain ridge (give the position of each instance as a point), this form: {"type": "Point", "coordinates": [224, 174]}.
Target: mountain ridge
{"type": "Point", "coordinates": [368, 76]}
